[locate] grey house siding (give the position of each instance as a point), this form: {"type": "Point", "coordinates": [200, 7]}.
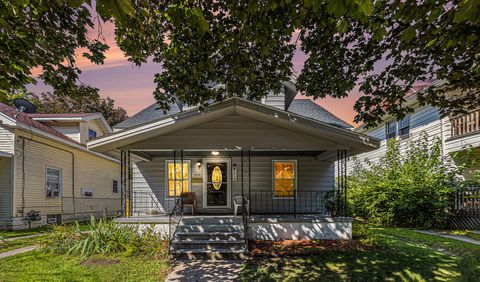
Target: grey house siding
{"type": "Point", "coordinates": [313, 175]}
{"type": "Point", "coordinates": [5, 191]}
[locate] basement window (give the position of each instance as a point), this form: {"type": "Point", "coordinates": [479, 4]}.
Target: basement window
{"type": "Point", "coordinates": [87, 192]}
{"type": "Point", "coordinates": [284, 178]}
{"type": "Point", "coordinates": [53, 182]}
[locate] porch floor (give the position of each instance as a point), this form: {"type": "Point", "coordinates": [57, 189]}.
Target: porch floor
{"type": "Point", "coordinates": [271, 218]}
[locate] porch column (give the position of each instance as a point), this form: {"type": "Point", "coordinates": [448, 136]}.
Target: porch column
{"type": "Point", "coordinates": [126, 183]}
{"type": "Point", "coordinates": [341, 193]}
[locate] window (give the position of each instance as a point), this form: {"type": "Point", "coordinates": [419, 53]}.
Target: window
{"type": "Point", "coordinates": [284, 178]}
{"type": "Point", "coordinates": [92, 134]}
{"type": "Point", "coordinates": [404, 128]}
{"type": "Point", "coordinates": [115, 186]}
{"type": "Point", "coordinates": [391, 129]}
{"type": "Point", "coordinates": [87, 192]}
{"type": "Point", "coordinates": [178, 181]}
{"type": "Point", "coordinates": [53, 182]}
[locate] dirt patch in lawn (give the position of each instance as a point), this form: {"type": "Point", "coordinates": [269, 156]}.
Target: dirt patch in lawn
{"type": "Point", "coordinates": [99, 261]}
{"type": "Point", "coordinates": [302, 247]}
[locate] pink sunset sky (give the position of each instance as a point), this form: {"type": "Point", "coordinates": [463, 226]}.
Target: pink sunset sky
{"type": "Point", "coordinates": [131, 87]}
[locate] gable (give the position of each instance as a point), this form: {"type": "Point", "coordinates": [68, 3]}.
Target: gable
{"type": "Point", "coordinates": [234, 131]}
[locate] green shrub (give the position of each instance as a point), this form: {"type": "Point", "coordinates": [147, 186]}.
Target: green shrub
{"type": "Point", "coordinates": [105, 237]}
{"type": "Point", "coordinates": [410, 187]}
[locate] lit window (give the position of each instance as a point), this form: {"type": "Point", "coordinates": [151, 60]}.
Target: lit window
{"type": "Point", "coordinates": [391, 129]}
{"type": "Point", "coordinates": [178, 179]}
{"type": "Point", "coordinates": [284, 178]}
{"type": "Point", "coordinates": [404, 128]}
{"type": "Point", "coordinates": [53, 182]}
{"type": "Point", "coordinates": [92, 134]}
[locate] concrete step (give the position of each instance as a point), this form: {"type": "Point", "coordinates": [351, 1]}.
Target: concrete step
{"type": "Point", "coordinates": [210, 228]}
{"type": "Point", "coordinates": [210, 220]}
{"type": "Point", "coordinates": [189, 236]}
{"type": "Point", "coordinates": [208, 245]}
{"type": "Point", "coordinates": [218, 254]}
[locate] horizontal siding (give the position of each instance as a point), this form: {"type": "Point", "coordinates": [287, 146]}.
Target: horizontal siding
{"type": "Point", "coordinates": [5, 190]}
{"type": "Point", "coordinates": [88, 172]}
{"type": "Point", "coordinates": [313, 175]}
{"type": "Point", "coordinates": [424, 120]}
{"type": "Point", "coordinates": [277, 101]}
{"type": "Point", "coordinates": [233, 131]}
{"type": "Point", "coordinates": [7, 140]}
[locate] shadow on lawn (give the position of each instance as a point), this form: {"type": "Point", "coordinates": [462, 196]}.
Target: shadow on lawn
{"type": "Point", "coordinates": [355, 265]}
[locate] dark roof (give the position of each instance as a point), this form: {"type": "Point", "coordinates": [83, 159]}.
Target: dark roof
{"type": "Point", "coordinates": [303, 107]}
{"type": "Point", "coordinates": [150, 113]}
{"type": "Point", "coordinates": [310, 109]}
{"type": "Point", "coordinates": [66, 115]}
{"type": "Point", "coordinates": [25, 119]}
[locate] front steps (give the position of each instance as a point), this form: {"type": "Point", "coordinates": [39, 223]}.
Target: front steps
{"type": "Point", "coordinates": [209, 237]}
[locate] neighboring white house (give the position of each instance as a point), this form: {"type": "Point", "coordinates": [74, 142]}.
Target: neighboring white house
{"type": "Point", "coordinates": [45, 167]}
{"type": "Point", "coordinates": [456, 133]}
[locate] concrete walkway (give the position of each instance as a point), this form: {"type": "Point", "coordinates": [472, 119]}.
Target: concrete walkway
{"type": "Point", "coordinates": [18, 251]}
{"type": "Point", "coordinates": [449, 236]}
{"type": "Point", "coordinates": [206, 270]}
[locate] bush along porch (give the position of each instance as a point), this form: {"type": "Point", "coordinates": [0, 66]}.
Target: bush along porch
{"type": "Point", "coordinates": [242, 170]}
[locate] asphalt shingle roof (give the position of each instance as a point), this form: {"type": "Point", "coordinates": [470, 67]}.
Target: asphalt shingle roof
{"type": "Point", "coordinates": [148, 114]}
{"type": "Point", "coordinates": [303, 107]}
{"type": "Point", "coordinates": [310, 109]}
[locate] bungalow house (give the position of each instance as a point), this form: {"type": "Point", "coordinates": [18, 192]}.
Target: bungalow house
{"type": "Point", "coordinates": [274, 163]}
{"type": "Point", "coordinates": [47, 175]}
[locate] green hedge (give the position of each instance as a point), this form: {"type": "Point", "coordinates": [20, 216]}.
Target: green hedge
{"type": "Point", "coordinates": [409, 187]}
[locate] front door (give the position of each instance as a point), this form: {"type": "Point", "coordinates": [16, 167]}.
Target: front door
{"type": "Point", "coordinates": [216, 187]}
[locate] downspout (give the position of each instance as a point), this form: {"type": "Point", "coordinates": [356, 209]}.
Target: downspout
{"type": "Point", "coordinates": [23, 173]}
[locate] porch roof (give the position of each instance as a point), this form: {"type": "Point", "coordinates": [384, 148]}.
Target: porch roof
{"type": "Point", "coordinates": [329, 137]}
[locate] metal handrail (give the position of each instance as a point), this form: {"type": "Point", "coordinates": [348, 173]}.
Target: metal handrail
{"type": "Point", "coordinates": [178, 212]}
{"type": "Point", "coordinates": [138, 196]}
{"type": "Point", "coordinates": [289, 202]}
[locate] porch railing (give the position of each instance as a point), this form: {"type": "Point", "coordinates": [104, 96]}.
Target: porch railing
{"type": "Point", "coordinates": [465, 124]}
{"type": "Point", "coordinates": [467, 201]}
{"type": "Point", "coordinates": [145, 202]}
{"type": "Point", "coordinates": [174, 219]}
{"type": "Point", "coordinates": [289, 202]}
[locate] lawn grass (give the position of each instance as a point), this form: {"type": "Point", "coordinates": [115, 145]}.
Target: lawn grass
{"type": "Point", "coordinates": [42, 266]}
{"type": "Point", "coordinates": [20, 243]}
{"type": "Point", "coordinates": [38, 230]}
{"type": "Point", "coordinates": [382, 254]}
{"type": "Point", "coordinates": [25, 232]}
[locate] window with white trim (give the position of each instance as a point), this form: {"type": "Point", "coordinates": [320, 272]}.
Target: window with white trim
{"type": "Point", "coordinates": [87, 192]}
{"type": "Point", "coordinates": [284, 178]}
{"type": "Point", "coordinates": [391, 129]}
{"type": "Point", "coordinates": [404, 128]}
{"type": "Point", "coordinates": [178, 180]}
{"type": "Point", "coordinates": [53, 182]}
{"type": "Point", "coordinates": [92, 134]}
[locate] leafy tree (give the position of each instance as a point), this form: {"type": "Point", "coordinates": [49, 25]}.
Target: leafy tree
{"type": "Point", "coordinates": [410, 186]}
{"type": "Point", "coordinates": [45, 34]}
{"type": "Point", "coordinates": [86, 100]}
{"type": "Point", "coordinates": [247, 47]}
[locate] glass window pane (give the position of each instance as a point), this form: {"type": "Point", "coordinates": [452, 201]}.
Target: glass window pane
{"type": "Point", "coordinates": [284, 170]}
{"type": "Point", "coordinates": [284, 188]}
